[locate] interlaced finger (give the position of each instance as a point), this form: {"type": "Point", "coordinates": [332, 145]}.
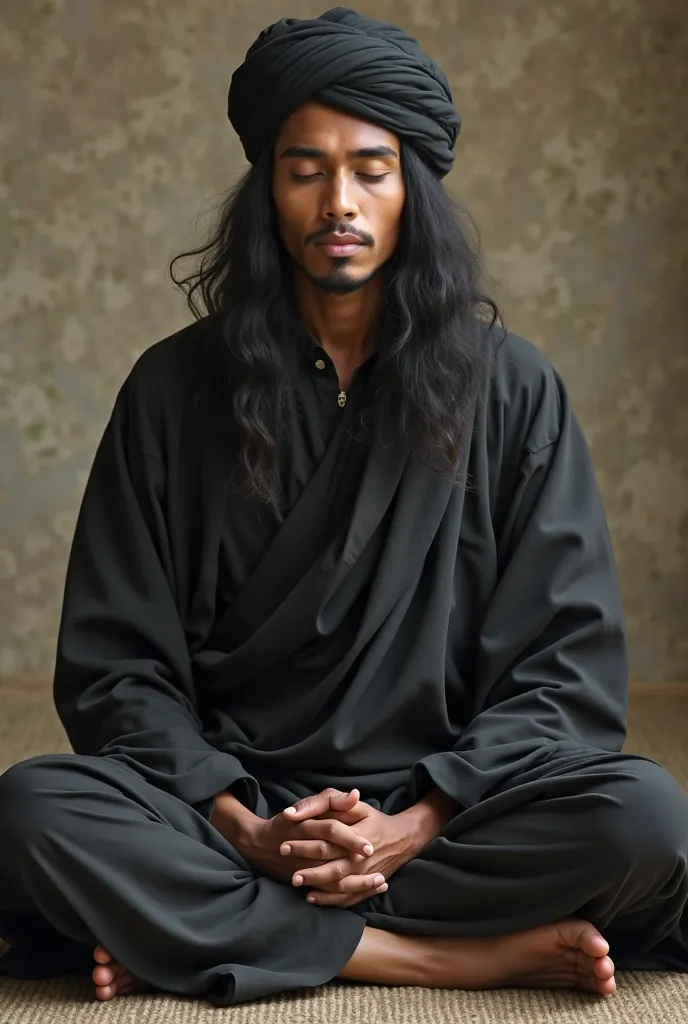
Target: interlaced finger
{"type": "Point", "coordinates": [316, 849]}
{"type": "Point", "coordinates": [354, 883]}
{"type": "Point", "coordinates": [324, 898]}
{"type": "Point", "coordinates": [335, 832]}
{"type": "Point", "coordinates": [329, 872]}
{"type": "Point", "coordinates": [310, 806]}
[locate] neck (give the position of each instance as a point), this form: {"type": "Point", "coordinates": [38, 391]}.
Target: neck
{"type": "Point", "coordinates": [345, 325]}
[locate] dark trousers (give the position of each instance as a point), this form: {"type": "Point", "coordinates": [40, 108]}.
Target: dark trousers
{"type": "Point", "coordinates": [90, 853]}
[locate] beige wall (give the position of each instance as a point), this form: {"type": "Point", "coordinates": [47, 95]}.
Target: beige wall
{"type": "Point", "coordinates": [572, 159]}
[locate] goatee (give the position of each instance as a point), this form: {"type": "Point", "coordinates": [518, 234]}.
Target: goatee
{"type": "Point", "coordinates": [337, 282]}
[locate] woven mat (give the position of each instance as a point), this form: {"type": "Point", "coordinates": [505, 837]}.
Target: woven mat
{"type": "Point", "coordinates": [657, 729]}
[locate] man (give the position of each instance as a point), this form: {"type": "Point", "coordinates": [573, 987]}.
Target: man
{"type": "Point", "coordinates": [342, 657]}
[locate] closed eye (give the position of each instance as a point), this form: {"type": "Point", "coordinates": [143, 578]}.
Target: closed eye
{"type": "Point", "coordinates": [364, 177]}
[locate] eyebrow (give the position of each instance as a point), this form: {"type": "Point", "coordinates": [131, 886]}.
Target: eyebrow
{"type": "Point", "coordinates": [369, 152]}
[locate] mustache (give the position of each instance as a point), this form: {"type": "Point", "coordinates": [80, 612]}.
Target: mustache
{"type": "Point", "coordinates": [340, 229]}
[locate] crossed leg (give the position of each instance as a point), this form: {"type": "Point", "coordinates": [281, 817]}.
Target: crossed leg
{"type": "Point", "coordinates": [574, 856]}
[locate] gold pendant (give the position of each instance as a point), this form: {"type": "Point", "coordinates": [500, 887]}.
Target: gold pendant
{"type": "Point", "coordinates": [341, 398]}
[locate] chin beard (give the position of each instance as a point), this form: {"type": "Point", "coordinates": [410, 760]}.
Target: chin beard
{"type": "Point", "coordinates": [337, 282]}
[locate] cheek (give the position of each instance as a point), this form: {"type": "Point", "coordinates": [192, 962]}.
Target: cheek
{"type": "Point", "coordinates": [389, 225]}
{"type": "Point", "coordinates": [287, 206]}
{"type": "Point", "coordinates": [288, 226]}
{"type": "Point", "coordinates": [296, 223]}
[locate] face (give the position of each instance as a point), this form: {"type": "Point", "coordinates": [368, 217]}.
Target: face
{"type": "Point", "coordinates": [339, 192]}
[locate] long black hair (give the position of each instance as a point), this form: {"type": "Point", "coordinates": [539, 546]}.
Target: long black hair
{"type": "Point", "coordinates": [430, 355]}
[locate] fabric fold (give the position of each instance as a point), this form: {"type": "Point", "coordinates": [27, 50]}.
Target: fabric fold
{"type": "Point", "coordinates": [123, 685]}
{"type": "Point", "coordinates": [364, 67]}
{"type": "Point", "coordinates": [550, 669]}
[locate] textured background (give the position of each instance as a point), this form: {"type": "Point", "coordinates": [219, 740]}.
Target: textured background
{"type": "Point", "coordinates": [573, 160]}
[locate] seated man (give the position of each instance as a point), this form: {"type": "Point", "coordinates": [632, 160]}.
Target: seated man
{"type": "Point", "coordinates": [341, 547]}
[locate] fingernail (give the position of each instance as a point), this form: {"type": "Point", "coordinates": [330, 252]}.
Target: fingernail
{"type": "Point", "coordinates": [383, 888]}
{"type": "Point", "coordinates": [298, 880]}
{"type": "Point", "coordinates": [368, 850]}
{"type": "Point", "coordinates": [310, 899]}
{"type": "Point", "coordinates": [290, 810]}
{"type": "Point", "coordinates": [379, 879]}
{"type": "Point", "coordinates": [285, 850]}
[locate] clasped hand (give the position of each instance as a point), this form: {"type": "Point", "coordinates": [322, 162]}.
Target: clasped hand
{"type": "Point", "coordinates": [340, 847]}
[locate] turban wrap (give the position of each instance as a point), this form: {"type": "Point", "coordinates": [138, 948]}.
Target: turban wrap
{"type": "Point", "coordinates": [363, 67]}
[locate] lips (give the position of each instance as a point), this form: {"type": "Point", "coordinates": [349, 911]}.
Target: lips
{"type": "Point", "coordinates": [341, 245]}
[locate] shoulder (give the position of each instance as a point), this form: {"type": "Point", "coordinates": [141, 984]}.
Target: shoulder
{"type": "Point", "coordinates": [166, 381]}
{"type": "Point", "coordinates": [167, 374]}
{"type": "Point", "coordinates": [524, 395]}
{"type": "Point", "coordinates": [168, 367]}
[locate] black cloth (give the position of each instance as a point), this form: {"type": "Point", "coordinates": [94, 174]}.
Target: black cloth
{"type": "Point", "coordinates": [364, 67]}
{"type": "Point", "coordinates": [91, 852]}
{"type": "Point", "coordinates": [395, 636]}
{"type": "Point", "coordinates": [375, 627]}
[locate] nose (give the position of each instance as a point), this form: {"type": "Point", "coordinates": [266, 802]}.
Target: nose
{"type": "Point", "coordinates": [338, 202]}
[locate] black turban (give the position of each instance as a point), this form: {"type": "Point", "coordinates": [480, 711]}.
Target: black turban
{"type": "Point", "coordinates": [363, 67]}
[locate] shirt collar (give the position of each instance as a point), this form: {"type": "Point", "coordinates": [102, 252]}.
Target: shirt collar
{"type": "Point", "coordinates": [312, 351]}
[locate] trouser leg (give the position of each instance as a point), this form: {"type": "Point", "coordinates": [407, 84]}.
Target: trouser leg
{"type": "Point", "coordinates": [602, 837]}
{"type": "Point", "coordinates": [104, 857]}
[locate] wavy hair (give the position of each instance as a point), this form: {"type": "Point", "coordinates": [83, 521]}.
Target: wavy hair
{"type": "Point", "coordinates": [430, 353]}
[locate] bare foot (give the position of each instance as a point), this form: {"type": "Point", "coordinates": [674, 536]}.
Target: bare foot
{"type": "Point", "coordinates": [112, 979]}
{"type": "Point", "coordinates": [569, 954]}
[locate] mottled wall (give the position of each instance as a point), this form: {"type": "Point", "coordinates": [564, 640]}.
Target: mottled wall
{"type": "Point", "coordinates": [572, 159]}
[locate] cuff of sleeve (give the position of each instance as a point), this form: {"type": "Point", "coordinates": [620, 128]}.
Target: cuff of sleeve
{"type": "Point", "coordinates": [226, 773]}
{"type": "Point", "coordinates": [446, 772]}
{"type": "Point", "coordinates": [196, 782]}
{"type": "Point", "coordinates": [471, 775]}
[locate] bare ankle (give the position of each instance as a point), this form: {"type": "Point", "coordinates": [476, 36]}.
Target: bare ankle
{"type": "Point", "coordinates": [385, 958]}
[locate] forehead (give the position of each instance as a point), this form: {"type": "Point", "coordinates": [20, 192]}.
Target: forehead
{"type": "Point", "coordinates": [317, 125]}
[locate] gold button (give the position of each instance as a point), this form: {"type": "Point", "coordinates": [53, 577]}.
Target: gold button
{"type": "Point", "coordinates": [320, 364]}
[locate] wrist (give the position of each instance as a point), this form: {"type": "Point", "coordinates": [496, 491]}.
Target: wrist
{"type": "Point", "coordinates": [417, 827]}
{"type": "Point", "coordinates": [426, 819]}
{"type": "Point", "coordinates": [234, 820]}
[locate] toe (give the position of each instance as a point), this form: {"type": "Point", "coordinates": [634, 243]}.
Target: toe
{"type": "Point", "coordinates": [106, 992]}
{"type": "Point", "coordinates": [604, 968]}
{"type": "Point", "coordinates": [101, 955]}
{"type": "Point", "coordinates": [607, 988]}
{"type": "Point", "coordinates": [584, 936]}
{"type": "Point", "coordinates": [601, 988]}
{"type": "Point", "coordinates": [592, 982]}
{"type": "Point", "coordinates": [592, 943]}
{"type": "Point", "coordinates": [103, 975]}
{"type": "Point", "coordinates": [106, 974]}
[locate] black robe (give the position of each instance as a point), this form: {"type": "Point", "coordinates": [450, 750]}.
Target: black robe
{"type": "Point", "coordinates": [379, 627]}
{"type": "Point", "coordinates": [376, 627]}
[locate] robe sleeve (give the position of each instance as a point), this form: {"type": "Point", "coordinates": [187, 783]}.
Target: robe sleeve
{"type": "Point", "coordinates": [123, 683]}
{"type": "Point", "coordinates": [550, 672]}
